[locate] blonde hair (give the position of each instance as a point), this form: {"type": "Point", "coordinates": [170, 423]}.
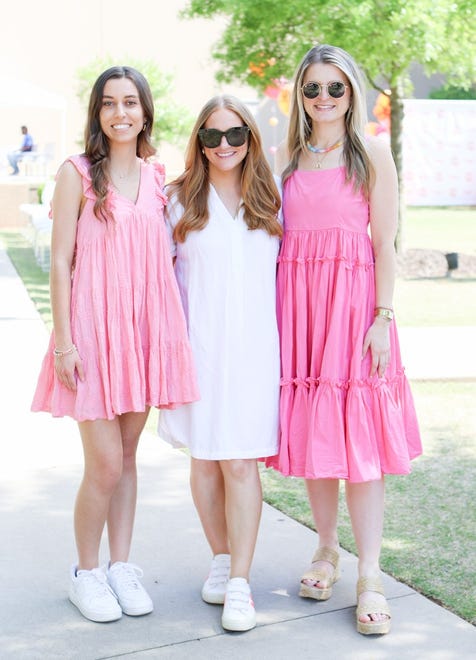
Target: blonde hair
{"type": "Point", "coordinates": [261, 199]}
{"type": "Point", "coordinates": [356, 158]}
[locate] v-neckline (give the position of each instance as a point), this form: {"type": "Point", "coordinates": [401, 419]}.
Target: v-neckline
{"type": "Point", "coordinates": [233, 217]}
{"type": "Point", "coordinates": [139, 189]}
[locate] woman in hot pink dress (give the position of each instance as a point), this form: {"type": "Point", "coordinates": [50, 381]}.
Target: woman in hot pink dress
{"type": "Point", "coordinates": [120, 341]}
{"type": "Point", "coordinates": [346, 409]}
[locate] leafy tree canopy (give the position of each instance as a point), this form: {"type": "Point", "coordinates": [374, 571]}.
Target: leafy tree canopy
{"type": "Point", "coordinates": [265, 40]}
{"type": "Point", "coordinates": [453, 92]}
{"type": "Point", "coordinates": [172, 123]}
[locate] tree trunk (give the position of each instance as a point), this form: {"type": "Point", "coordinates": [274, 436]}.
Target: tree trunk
{"type": "Point", "coordinates": [396, 118]}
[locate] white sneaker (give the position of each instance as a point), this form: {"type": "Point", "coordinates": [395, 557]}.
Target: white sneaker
{"type": "Point", "coordinates": [213, 591]}
{"type": "Point", "coordinates": [132, 597]}
{"type": "Point", "coordinates": [92, 595]}
{"type": "Point", "coordinates": [239, 610]}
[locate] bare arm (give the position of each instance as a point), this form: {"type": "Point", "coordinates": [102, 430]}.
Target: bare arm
{"type": "Point", "coordinates": [383, 227]}
{"type": "Point", "coordinates": [66, 206]}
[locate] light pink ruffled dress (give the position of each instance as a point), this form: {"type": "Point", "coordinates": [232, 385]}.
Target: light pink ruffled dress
{"type": "Point", "coordinates": [127, 319]}
{"type": "Point", "coordinates": [336, 421]}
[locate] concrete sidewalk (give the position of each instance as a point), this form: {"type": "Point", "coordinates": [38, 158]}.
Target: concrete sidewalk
{"type": "Point", "coordinates": [40, 474]}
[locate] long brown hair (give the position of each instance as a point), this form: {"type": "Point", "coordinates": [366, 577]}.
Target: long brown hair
{"type": "Point", "coordinates": [356, 158]}
{"type": "Point", "coordinates": [97, 146]}
{"type": "Point", "coordinates": [261, 199]}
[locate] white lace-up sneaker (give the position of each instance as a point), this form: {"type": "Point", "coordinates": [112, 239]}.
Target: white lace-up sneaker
{"type": "Point", "coordinates": [92, 595]}
{"type": "Point", "coordinates": [132, 597]}
{"type": "Point", "coordinates": [239, 610]}
{"type": "Point", "coordinates": [213, 591]}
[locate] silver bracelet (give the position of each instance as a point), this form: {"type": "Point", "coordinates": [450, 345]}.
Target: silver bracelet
{"type": "Point", "coordinates": [58, 353]}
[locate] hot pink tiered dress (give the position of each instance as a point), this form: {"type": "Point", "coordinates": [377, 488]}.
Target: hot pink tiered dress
{"type": "Point", "coordinates": [127, 319]}
{"type": "Point", "coordinates": [336, 421]}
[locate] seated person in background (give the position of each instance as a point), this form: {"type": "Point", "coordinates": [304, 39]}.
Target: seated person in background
{"type": "Point", "coordinates": [14, 157]}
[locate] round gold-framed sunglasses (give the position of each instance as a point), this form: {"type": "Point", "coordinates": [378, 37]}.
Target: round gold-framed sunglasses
{"type": "Point", "coordinates": [335, 89]}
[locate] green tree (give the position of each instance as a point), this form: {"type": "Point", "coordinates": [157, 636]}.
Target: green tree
{"type": "Point", "coordinates": [265, 40]}
{"type": "Point", "coordinates": [172, 123]}
{"type": "Point", "coordinates": [454, 92]}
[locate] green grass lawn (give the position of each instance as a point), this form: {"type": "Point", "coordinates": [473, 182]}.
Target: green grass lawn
{"type": "Point", "coordinates": [448, 229]}
{"type": "Point", "coordinates": [435, 302]}
{"type": "Point", "coordinates": [430, 525]}
{"type": "Point", "coordinates": [443, 300]}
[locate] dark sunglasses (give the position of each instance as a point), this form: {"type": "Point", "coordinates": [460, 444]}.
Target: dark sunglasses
{"type": "Point", "coordinates": [336, 89]}
{"type": "Point", "coordinates": [211, 137]}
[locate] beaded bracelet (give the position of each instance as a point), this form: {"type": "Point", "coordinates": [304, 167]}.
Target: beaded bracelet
{"type": "Point", "coordinates": [58, 353]}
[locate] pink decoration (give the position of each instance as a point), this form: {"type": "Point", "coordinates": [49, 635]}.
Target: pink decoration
{"type": "Point", "coordinates": [271, 92]}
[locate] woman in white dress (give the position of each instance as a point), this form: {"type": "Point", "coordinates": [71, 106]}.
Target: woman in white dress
{"type": "Point", "coordinates": [223, 216]}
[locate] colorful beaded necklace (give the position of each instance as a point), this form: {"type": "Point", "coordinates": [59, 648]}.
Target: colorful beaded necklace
{"type": "Point", "coordinates": [324, 150]}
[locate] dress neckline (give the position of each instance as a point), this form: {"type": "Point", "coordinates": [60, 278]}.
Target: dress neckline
{"type": "Point", "coordinates": [222, 203]}
{"type": "Point", "coordinates": [323, 169]}
{"type": "Point", "coordinates": [116, 192]}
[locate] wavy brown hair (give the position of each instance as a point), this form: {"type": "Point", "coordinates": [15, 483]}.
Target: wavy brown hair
{"type": "Point", "coordinates": [261, 199]}
{"type": "Point", "coordinates": [97, 144]}
{"type": "Point", "coordinates": [356, 158]}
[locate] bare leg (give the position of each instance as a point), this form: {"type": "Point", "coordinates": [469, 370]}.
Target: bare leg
{"type": "Point", "coordinates": [365, 502]}
{"type": "Point", "coordinates": [120, 518]}
{"type": "Point", "coordinates": [102, 447]}
{"type": "Point", "coordinates": [243, 512]}
{"type": "Point", "coordinates": [323, 497]}
{"type": "Point", "coordinates": [208, 493]}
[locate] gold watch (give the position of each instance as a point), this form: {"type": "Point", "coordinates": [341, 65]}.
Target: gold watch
{"type": "Point", "coordinates": [384, 312]}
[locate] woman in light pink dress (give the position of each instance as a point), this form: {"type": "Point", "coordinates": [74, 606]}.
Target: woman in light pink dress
{"type": "Point", "coordinates": [120, 341]}
{"type": "Point", "coordinates": [346, 410]}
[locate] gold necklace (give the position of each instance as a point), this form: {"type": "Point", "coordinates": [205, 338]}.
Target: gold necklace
{"type": "Point", "coordinates": [126, 174]}
{"type": "Point", "coordinates": [318, 163]}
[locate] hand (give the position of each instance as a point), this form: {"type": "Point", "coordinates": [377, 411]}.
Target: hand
{"type": "Point", "coordinates": [377, 339]}
{"type": "Point", "coordinates": [66, 366]}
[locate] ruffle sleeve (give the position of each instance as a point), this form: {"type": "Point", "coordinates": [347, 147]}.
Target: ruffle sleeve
{"type": "Point", "coordinates": [81, 163]}
{"type": "Point", "coordinates": [159, 176]}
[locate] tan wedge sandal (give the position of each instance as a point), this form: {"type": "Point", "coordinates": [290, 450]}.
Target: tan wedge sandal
{"type": "Point", "coordinates": [320, 575]}
{"type": "Point", "coordinates": [370, 607]}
